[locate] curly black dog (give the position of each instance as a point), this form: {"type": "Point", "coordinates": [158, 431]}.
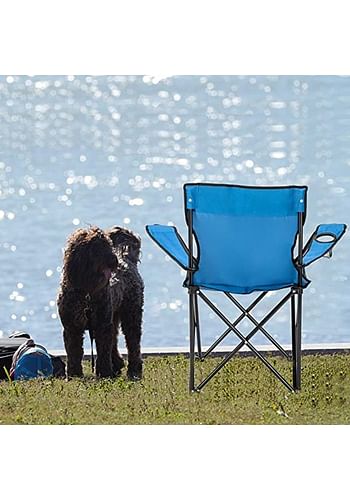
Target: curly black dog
{"type": "Point", "coordinates": [101, 289]}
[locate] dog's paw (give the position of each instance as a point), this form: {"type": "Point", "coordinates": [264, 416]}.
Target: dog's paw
{"type": "Point", "coordinates": [117, 373]}
{"type": "Point", "coordinates": [103, 368]}
{"type": "Point", "coordinates": [135, 371]}
{"type": "Point", "coordinates": [117, 365]}
{"type": "Point", "coordinates": [134, 376]}
{"type": "Point", "coordinates": [78, 373]}
{"type": "Point", "coordinates": [104, 374]}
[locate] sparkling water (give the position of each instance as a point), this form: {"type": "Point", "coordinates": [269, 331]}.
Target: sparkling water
{"type": "Point", "coordinates": [105, 150]}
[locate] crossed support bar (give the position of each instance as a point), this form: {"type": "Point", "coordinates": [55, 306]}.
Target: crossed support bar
{"type": "Point", "coordinates": [195, 292]}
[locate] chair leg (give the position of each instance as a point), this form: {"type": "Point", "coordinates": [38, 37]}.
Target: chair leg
{"type": "Point", "coordinates": [296, 335]}
{"type": "Point", "coordinates": [192, 338]}
{"type": "Point", "coordinates": [293, 328]}
{"type": "Point", "coordinates": [198, 333]}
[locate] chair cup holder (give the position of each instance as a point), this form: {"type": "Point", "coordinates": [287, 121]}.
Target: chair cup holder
{"type": "Point", "coordinates": [325, 238]}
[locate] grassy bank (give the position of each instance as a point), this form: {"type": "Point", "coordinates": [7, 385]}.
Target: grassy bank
{"type": "Point", "coordinates": [243, 393]}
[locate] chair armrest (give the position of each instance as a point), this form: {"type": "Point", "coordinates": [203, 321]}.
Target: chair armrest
{"type": "Point", "coordinates": [322, 241]}
{"type": "Point", "coordinates": [171, 242]}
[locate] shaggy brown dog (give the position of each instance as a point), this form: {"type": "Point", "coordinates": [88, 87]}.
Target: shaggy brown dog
{"type": "Point", "coordinates": [101, 289]}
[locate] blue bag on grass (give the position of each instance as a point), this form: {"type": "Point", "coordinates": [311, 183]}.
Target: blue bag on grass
{"type": "Point", "coordinates": [31, 361]}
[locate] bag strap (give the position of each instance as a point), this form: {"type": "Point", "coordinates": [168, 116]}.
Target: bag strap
{"type": "Point", "coordinates": [28, 344]}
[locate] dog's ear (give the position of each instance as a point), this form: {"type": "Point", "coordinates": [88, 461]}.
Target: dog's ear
{"type": "Point", "coordinates": [135, 251]}
{"type": "Point", "coordinates": [77, 259]}
{"type": "Point", "coordinates": [126, 242]}
{"type": "Point", "coordinates": [77, 264]}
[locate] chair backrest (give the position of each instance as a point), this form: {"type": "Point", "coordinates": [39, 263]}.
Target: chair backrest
{"type": "Point", "coordinates": [245, 235]}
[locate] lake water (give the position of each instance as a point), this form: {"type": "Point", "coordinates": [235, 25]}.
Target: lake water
{"type": "Point", "coordinates": [117, 149]}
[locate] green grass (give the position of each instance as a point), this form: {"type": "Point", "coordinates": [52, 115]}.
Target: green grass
{"type": "Point", "coordinates": [243, 393]}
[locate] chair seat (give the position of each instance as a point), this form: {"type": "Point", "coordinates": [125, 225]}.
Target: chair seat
{"type": "Point", "coordinates": [222, 287]}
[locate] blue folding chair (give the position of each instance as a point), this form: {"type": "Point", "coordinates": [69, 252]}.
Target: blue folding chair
{"type": "Point", "coordinates": [248, 239]}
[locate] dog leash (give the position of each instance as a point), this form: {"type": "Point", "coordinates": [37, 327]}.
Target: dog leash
{"type": "Point", "coordinates": [92, 352]}
{"type": "Point", "coordinates": [88, 314]}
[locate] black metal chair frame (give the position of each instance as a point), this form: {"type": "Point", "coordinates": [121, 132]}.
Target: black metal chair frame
{"type": "Point", "coordinates": [295, 295]}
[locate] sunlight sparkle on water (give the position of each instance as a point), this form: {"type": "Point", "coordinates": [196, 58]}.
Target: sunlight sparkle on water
{"type": "Point", "coordinates": [116, 150]}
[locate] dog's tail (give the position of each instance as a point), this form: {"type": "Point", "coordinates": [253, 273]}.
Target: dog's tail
{"type": "Point", "coordinates": [126, 242]}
